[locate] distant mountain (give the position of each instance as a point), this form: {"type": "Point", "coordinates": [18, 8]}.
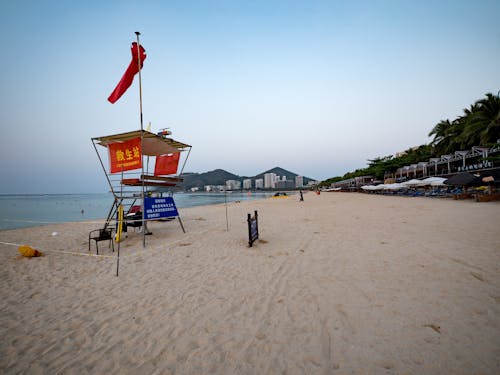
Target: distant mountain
{"type": "Point", "coordinates": [279, 172]}
{"type": "Point", "coordinates": [220, 176]}
{"type": "Point", "coordinates": [216, 177]}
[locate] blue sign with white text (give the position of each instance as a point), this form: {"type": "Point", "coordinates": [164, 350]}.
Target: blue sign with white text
{"type": "Point", "coordinates": [158, 208]}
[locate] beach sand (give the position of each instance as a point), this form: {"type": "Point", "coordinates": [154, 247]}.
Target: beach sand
{"type": "Point", "coordinates": [338, 284]}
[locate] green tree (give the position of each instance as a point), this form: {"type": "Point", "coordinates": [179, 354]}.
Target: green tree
{"type": "Point", "coordinates": [486, 119]}
{"type": "Point", "coordinates": [478, 126]}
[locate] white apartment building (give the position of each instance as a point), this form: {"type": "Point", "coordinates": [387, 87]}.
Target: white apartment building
{"type": "Point", "coordinates": [259, 183]}
{"type": "Point", "coordinates": [233, 185]}
{"type": "Point", "coordinates": [270, 180]}
{"type": "Point", "coordinates": [247, 183]}
{"type": "Point", "coordinates": [299, 181]}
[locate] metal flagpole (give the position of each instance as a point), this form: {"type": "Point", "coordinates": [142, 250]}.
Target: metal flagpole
{"type": "Point", "coordinates": [137, 33]}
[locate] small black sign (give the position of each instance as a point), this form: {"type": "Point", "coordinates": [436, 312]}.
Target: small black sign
{"type": "Point", "coordinates": [253, 229]}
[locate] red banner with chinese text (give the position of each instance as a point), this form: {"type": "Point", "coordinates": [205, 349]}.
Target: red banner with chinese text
{"type": "Point", "coordinates": [125, 156]}
{"type": "Point", "coordinates": [167, 164]}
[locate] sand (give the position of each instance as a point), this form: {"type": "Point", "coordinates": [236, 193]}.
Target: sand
{"type": "Point", "coordinates": [338, 284]}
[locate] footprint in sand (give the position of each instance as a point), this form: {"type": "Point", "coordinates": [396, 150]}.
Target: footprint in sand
{"type": "Point", "coordinates": [260, 336]}
{"type": "Point", "coordinates": [477, 276]}
{"type": "Point", "coordinates": [434, 327]}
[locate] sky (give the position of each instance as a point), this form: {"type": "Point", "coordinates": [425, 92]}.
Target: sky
{"type": "Point", "coordinates": [315, 87]}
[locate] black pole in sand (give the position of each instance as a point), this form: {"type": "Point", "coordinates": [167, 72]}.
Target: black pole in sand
{"type": "Point", "coordinates": [227, 222]}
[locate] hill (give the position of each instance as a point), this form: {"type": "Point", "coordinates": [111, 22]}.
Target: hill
{"type": "Point", "coordinates": [279, 172]}
{"type": "Point", "coordinates": [215, 177]}
{"type": "Point", "coordinates": [220, 176]}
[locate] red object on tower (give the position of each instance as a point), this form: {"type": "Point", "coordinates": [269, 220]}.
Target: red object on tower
{"type": "Point", "coordinates": [132, 70]}
{"type": "Point", "coordinates": [167, 164]}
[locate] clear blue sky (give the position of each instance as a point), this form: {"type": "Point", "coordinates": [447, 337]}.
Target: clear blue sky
{"type": "Point", "coordinates": [316, 87]}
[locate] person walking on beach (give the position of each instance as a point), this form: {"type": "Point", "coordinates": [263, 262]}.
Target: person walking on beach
{"type": "Point", "coordinates": [301, 196]}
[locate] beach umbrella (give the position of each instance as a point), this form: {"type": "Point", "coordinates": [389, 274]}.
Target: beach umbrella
{"type": "Point", "coordinates": [491, 177]}
{"type": "Point", "coordinates": [413, 182]}
{"type": "Point", "coordinates": [431, 181]}
{"type": "Point", "coordinates": [464, 179]}
{"type": "Point", "coordinates": [438, 181]}
{"type": "Point", "coordinates": [424, 182]}
{"type": "Point", "coordinates": [395, 186]}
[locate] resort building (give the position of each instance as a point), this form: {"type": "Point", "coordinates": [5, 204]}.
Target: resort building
{"type": "Point", "coordinates": [476, 159]}
{"type": "Point", "coordinates": [353, 183]}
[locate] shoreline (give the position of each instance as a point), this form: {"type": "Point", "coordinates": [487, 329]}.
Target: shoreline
{"type": "Point", "coordinates": [339, 283]}
{"type": "Point", "coordinates": [72, 212]}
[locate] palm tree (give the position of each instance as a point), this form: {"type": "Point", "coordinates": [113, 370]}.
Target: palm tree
{"type": "Point", "coordinates": [487, 119]}
{"type": "Point", "coordinates": [479, 125]}
{"type": "Point", "coordinates": [440, 131]}
{"type": "Point", "coordinates": [469, 134]}
{"type": "Point", "coordinates": [445, 136]}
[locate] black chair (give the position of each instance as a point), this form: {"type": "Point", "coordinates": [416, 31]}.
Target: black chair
{"type": "Point", "coordinates": [133, 220]}
{"type": "Point", "coordinates": [103, 234]}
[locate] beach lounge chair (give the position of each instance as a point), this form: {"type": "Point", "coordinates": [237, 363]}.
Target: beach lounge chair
{"type": "Point", "coordinates": [103, 234]}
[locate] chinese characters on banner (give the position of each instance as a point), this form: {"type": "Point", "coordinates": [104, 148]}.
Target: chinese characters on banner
{"type": "Point", "coordinates": [157, 208]}
{"type": "Point", "coordinates": [125, 156]}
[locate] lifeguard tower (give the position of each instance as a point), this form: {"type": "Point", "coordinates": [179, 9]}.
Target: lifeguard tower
{"type": "Point", "coordinates": [142, 174]}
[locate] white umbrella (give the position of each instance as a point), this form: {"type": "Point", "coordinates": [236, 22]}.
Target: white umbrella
{"type": "Point", "coordinates": [413, 182]}
{"type": "Point", "coordinates": [431, 181]}
{"type": "Point", "coordinates": [439, 181]}
{"type": "Point", "coordinates": [395, 186]}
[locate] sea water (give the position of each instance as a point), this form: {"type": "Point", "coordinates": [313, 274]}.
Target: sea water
{"type": "Point", "coordinates": [19, 211]}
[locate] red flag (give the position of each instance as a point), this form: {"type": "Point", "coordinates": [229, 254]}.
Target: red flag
{"type": "Point", "coordinates": [128, 77]}
{"type": "Point", "coordinates": [167, 164]}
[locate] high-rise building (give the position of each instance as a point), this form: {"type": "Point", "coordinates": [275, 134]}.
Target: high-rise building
{"type": "Point", "coordinates": [233, 185]}
{"type": "Point", "coordinates": [285, 184]}
{"type": "Point", "coordinates": [270, 180]}
{"type": "Point", "coordinates": [259, 183]}
{"type": "Point", "coordinates": [247, 183]}
{"type": "Point", "coordinates": [299, 181]}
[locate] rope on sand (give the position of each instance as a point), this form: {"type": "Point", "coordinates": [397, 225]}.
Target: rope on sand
{"type": "Point", "coordinates": [49, 222]}
{"type": "Point", "coordinates": [62, 251]}
{"type": "Point", "coordinates": [138, 252]}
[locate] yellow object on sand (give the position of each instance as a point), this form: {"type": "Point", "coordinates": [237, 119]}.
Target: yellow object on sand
{"type": "Point", "coordinates": [118, 235]}
{"type": "Point", "coordinates": [280, 195]}
{"type": "Point", "coordinates": [28, 251]}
